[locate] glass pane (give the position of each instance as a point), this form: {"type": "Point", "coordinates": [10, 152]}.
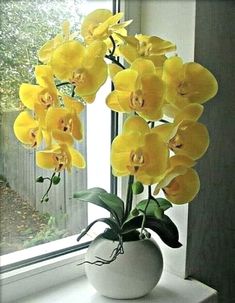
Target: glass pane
{"type": "Point", "coordinates": [25, 221]}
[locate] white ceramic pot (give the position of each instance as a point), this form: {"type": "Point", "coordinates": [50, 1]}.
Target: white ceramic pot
{"type": "Point", "coordinates": [132, 275]}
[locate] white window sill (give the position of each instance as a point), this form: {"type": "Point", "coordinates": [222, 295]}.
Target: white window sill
{"type": "Point", "coordinates": [171, 289]}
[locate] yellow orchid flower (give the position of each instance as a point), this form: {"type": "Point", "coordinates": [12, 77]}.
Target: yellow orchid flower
{"type": "Point", "coordinates": [187, 83]}
{"type": "Point", "coordinates": [39, 97]}
{"type": "Point", "coordinates": [147, 47]}
{"type": "Point", "coordinates": [46, 51]}
{"type": "Point", "coordinates": [82, 66]}
{"type": "Point", "coordinates": [138, 89]}
{"type": "Point", "coordinates": [64, 120]}
{"type": "Point", "coordinates": [186, 136]}
{"type": "Point", "coordinates": [138, 152]}
{"type": "Point", "coordinates": [27, 130]}
{"type": "Point", "coordinates": [60, 157]}
{"type": "Point", "coordinates": [100, 24]}
{"type": "Point", "coordinates": [180, 183]}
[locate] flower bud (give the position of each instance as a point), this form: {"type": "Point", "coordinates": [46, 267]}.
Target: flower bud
{"type": "Point", "coordinates": [137, 188]}
{"type": "Point", "coordinates": [135, 212]}
{"type": "Point", "coordinates": [56, 180]}
{"type": "Point", "coordinates": [40, 179]}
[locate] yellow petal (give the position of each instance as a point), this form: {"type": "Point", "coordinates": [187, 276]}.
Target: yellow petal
{"type": "Point", "coordinates": [157, 154]}
{"type": "Point", "coordinates": [129, 52]}
{"type": "Point", "coordinates": [181, 160]}
{"type": "Point", "coordinates": [96, 49]}
{"type": "Point", "coordinates": [190, 112]}
{"type": "Point", "coordinates": [136, 124]}
{"type": "Point", "coordinates": [153, 90]}
{"type": "Point", "coordinates": [62, 137]}
{"type": "Point", "coordinates": [188, 83]}
{"type": "Point", "coordinates": [45, 52]}
{"type": "Point", "coordinates": [92, 20]}
{"type": "Point", "coordinates": [46, 159]}
{"type": "Point", "coordinates": [77, 158]}
{"type": "Point", "coordinates": [160, 46]}
{"type": "Point", "coordinates": [192, 139]}
{"type": "Point", "coordinates": [171, 175]}
{"type": "Point", "coordinates": [165, 131]}
{"type": "Point", "coordinates": [54, 118]}
{"type": "Point", "coordinates": [44, 75]}
{"type": "Point", "coordinates": [183, 188]}
{"type": "Point", "coordinates": [113, 70]}
{"type": "Point", "coordinates": [27, 130]}
{"type": "Point", "coordinates": [29, 94]}
{"type": "Point", "coordinates": [122, 146]}
{"type": "Point", "coordinates": [143, 66]}
{"type": "Point", "coordinates": [125, 80]}
{"type": "Point", "coordinates": [77, 130]}
{"type": "Point", "coordinates": [73, 104]}
{"type": "Point", "coordinates": [113, 101]}
{"type": "Point", "coordinates": [91, 79]}
{"type": "Point", "coordinates": [89, 98]}
{"type": "Point", "coordinates": [66, 59]}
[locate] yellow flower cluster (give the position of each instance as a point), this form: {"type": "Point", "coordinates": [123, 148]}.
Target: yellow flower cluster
{"type": "Point", "coordinates": [154, 87]}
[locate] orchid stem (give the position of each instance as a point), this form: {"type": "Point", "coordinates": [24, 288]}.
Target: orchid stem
{"type": "Point", "coordinates": [145, 209]}
{"type": "Point", "coordinates": [48, 189]}
{"type": "Point", "coordinates": [114, 60]}
{"type": "Point", "coordinates": [63, 83]}
{"type": "Point", "coordinates": [114, 46]}
{"type": "Point", "coordinates": [129, 196]}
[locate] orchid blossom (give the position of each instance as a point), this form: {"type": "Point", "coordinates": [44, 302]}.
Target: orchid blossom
{"type": "Point", "coordinates": [139, 152]}
{"type": "Point", "coordinates": [84, 67]}
{"type": "Point", "coordinates": [138, 89]}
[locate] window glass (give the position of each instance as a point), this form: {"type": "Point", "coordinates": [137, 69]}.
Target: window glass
{"type": "Point", "coordinates": [25, 222]}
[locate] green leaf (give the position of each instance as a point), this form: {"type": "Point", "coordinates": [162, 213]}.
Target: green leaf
{"type": "Point", "coordinates": [93, 195]}
{"type": "Point", "coordinates": [112, 224]}
{"type": "Point", "coordinates": [152, 209]}
{"type": "Point", "coordinates": [164, 227]}
{"type": "Point", "coordinates": [164, 204]}
{"type": "Point", "coordinates": [115, 203]}
{"type": "Point", "coordinates": [158, 213]}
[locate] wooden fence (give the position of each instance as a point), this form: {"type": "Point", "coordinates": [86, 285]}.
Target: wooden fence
{"type": "Point", "coordinates": [17, 165]}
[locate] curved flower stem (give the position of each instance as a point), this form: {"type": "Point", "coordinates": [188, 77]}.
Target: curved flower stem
{"type": "Point", "coordinates": [45, 196]}
{"type": "Point", "coordinates": [114, 60]}
{"type": "Point", "coordinates": [164, 121]}
{"type": "Point", "coordinates": [129, 196]}
{"type": "Point", "coordinates": [114, 46]}
{"type": "Point", "coordinates": [62, 83]}
{"type": "Point", "coordinates": [73, 91]}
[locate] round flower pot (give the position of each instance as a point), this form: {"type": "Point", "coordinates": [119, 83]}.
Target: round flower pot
{"type": "Point", "coordinates": [131, 275]}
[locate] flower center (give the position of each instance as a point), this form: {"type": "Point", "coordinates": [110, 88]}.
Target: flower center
{"type": "Point", "coordinates": [66, 126]}
{"type": "Point", "coordinates": [78, 77]}
{"type": "Point", "coordinates": [175, 142]}
{"type": "Point", "coordinates": [46, 99]}
{"type": "Point", "coordinates": [144, 48]}
{"type": "Point", "coordinates": [183, 88]}
{"type": "Point", "coordinates": [61, 161]}
{"type": "Point", "coordinates": [172, 188]}
{"type": "Point", "coordinates": [137, 160]}
{"type": "Point", "coordinates": [136, 100]}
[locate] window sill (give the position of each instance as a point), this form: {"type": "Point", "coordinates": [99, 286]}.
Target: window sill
{"type": "Point", "coordinates": [170, 289]}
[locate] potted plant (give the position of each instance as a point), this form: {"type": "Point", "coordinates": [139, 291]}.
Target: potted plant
{"type": "Point", "coordinates": [160, 142]}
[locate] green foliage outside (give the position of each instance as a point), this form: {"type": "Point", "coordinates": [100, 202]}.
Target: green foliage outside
{"type": "Point", "coordinates": [25, 26]}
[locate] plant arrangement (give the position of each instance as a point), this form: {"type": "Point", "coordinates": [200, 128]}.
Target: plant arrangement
{"type": "Point", "coordinates": [161, 139]}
